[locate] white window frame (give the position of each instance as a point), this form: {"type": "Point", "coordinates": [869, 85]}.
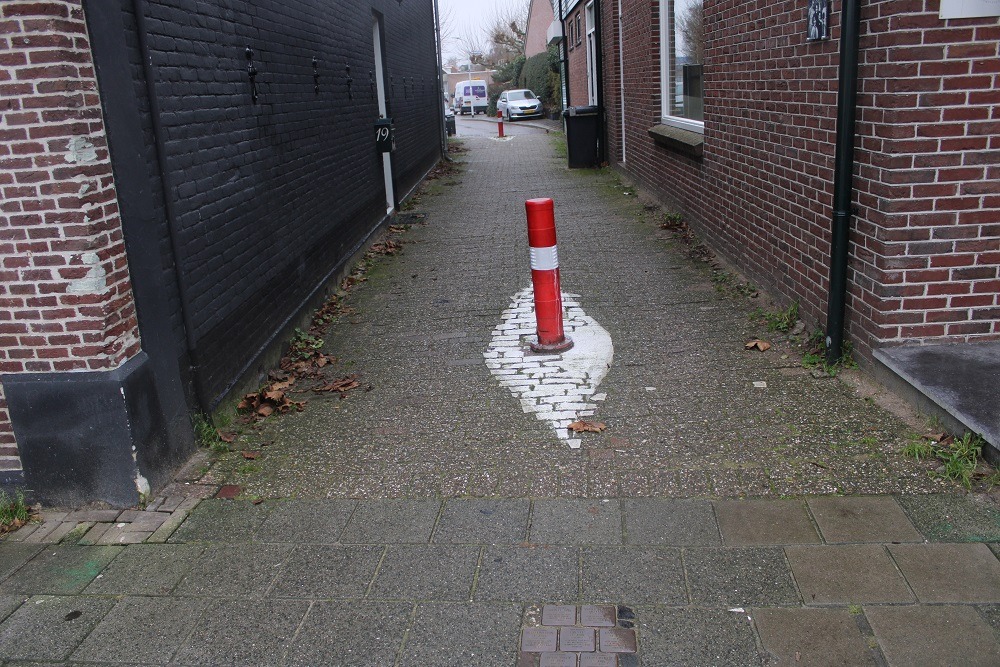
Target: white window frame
{"type": "Point", "coordinates": [591, 42]}
{"type": "Point", "coordinates": [667, 76]}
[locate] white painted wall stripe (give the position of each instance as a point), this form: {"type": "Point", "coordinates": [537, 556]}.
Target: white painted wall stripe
{"type": "Point", "coordinates": [544, 259]}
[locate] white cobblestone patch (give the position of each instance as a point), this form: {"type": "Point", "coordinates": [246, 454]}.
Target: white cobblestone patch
{"type": "Point", "coordinates": [558, 388]}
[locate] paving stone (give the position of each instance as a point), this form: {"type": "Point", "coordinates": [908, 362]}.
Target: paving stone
{"type": "Point", "coordinates": [326, 571]}
{"type": "Point", "coordinates": [846, 574]}
{"type": "Point", "coordinates": [141, 630]}
{"type": "Point", "coordinates": [633, 575]}
{"type": "Point", "coordinates": [693, 636]}
{"type": "Point", "coordinates": [577, 639]}
{"type": "Point", "coordinates": [366, 634]}
{"type": "Point", "coordinates": [953, 518]}
{"type": "Point", "coordinates": [146, 569]}
{"type": "Point", "coordinates": [300, 521]}
{"type": "Point", "coordinates": [234, 570]}
{"type": "Point", "coordinates": [743, 576]}
{"type": "Point", "coordinates": [820, 637]}
{"type": "Point", "coordinates": [539, 640]}
{"type": "Point", "coordinates": [8, 603]}
{"type": "Point", "coordinates": [862, 519]}
{"type": "Point", "coordinates": [576, 521]}
{"type": "Point", "coordinates": [426, 572]}
{"type": "Point", "coordinates": [618, 640]}
{"type": "Point", "coordinates": [15, 554]}
{"type": "Point", "coordinates": [559, 659]}
{"type": "Point", "coordinates": [447, 635]}
{"type": "Point", "coordinates": [949, 572]}
{"type": "Point", "coordinates": [518, 573]}
{"type": "Point", "coordinates": [60, 570]}
{"type": "Point", "coordinates": [991, 614]}
{"type": "Point", "coordinates": [243, 632]}
{"type": "Point", "coordinates": [670, 522]}
{"type": "Point", "coordinates": [559, 614]}
{"type": "Point", "coordinates": [757, 522]}
{"type": "Point", "coordinates": [168, 527]}
{"type": "Point", "coordinates": [221, 521]}
{"type": "Point", "coordinates": [475, 521]}
{"type": "Point", "coordinates": [934, 635]}
{"type": "Point", "coordinates": [49, 628]}
{"type": "Point", "coordinates": [599, 660]}
{"type": "Point", "coordinates": [599, 615]}
{"type": "Point", "coordinates": [93, 515]}
{"type": "Point", "coordinates": [392, 521]}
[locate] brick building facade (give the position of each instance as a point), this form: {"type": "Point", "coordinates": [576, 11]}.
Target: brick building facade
{"type": "Point", "coordinates": [167, 217]}
{"type": "Point", "coordinates": [755, 177]}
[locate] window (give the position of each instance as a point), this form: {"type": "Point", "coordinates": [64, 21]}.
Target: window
{"type": "Point", "coordinates": [682, 52]}
{"type": "Point", "coordinates": [579, 30]}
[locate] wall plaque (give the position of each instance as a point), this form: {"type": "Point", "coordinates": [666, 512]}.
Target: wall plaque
{"type": "Point", "coordinates": [969, 9]}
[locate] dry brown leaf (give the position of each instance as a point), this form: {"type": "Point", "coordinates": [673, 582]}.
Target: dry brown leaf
{"type": "Point", "coordinates": [265, 410]}
{"type": "Point", "coordinates": [225, 436]}
{"type": "Point", "coordinates": [250, 456]}
{"type": "Point", "coordinates": [587, 427]}
{"type": "Point", "coordinates": [758, 344]}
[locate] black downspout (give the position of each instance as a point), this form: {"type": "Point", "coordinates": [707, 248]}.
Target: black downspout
{"type": "Point", "coordinates": [183, 289]}
{"type": "Point", "coordinates": [599, 84]}
{"type": "Point", "coordinates": [850, 28]}
{"type": "Point", "coordinates": [563, 56]}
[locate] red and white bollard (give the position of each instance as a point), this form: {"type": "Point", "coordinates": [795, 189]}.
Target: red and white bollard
{"type": "Point", "coordinates": [500, 123]}
{"type": "Point", "coordinates": [545, 277]}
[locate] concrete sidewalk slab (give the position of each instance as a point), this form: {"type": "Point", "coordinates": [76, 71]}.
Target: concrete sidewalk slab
{"type": "Point", "coordinates": [670, 522]}
{"type": "Point", "coordinates": [141, 630]}
{"type": "Point", "coordinates": [817, 637]}
{"type": "Point", "coordinates": [49, 627]}
{"type": "Point", "coordinates": [761, 522]}
{"type": "Point", "coordinates": [696, 637]}
{"type": "Point", "coordinates": [234, 570]}
{"type": "Point", "coordinates": [949, 572]}
{"type": "Point", "coordinates": [935, 635]}
{"type": "Point", "coordinates": [862, 519]}
{"type": "Point", "coordinates": [60, 570]}
{"type": "Point", "coordinates": [573, 521]}
{"type": "Point", "coordinates": [847, 574]}
{"type": "Point", "coordinates": [393, 521]}
{"type": "Point", "coordinates": [146, 569]}
{"type": "Point", "coordinates": [639, 575]}
{"type": "Point", "coordinates": [295, 521]}
{"type": "Point", "coordinates": [739, 577]}
{"type": "Point", "coordinates": [351, 634]}
{"type": "Point", "coordinates": [427, 572]}
{"type": "Point", "coordinates": [477, 634]}
{"type": "Point", "coordinates": [322, 571]}
{"type": "Point", "coordinates": [475, 521]}
{"type": "Point", "coordinates": [528, 572]}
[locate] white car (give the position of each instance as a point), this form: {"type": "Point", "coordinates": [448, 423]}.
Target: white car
{"type": "Point", "coordinates": [520, 103]}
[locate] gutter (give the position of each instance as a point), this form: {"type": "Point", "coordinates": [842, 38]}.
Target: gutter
{"type": "Point", "coordinates": [843, 192]}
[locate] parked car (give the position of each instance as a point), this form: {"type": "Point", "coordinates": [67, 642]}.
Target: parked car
{"type": "Point", "coordinates": [520, 103]}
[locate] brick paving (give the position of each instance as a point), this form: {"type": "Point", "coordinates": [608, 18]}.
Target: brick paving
{"type": "Point", "coordinates": [433, 522]}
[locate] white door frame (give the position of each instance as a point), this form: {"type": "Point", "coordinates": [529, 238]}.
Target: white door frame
{"type": "Point", "coordinates": [390, 195]}
{"type": "Point", "coordinates": [591, 28]}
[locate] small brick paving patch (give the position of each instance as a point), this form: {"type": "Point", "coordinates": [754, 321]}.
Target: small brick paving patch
{"type": "Point", "coordinates": [571, 635]}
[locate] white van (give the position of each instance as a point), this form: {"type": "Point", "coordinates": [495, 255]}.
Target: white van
{"type": "Point", "coordinates": [470, 97]}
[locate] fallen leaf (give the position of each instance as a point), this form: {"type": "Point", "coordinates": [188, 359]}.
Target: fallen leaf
{"type": "Point", "coordinates": [226, 436]}
{"type": "Point", "coordinates": [257, 501]}
{"type": "Point", "coordinates": [758, 344]}
{"type": "Point", "coordinates": [587, 427]}
{"type": "Point", "coordinates": [265, 410]}
{"type": "Point", "coordinates": [250, 456]}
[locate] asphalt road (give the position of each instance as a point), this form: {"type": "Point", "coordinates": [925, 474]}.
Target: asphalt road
{"type": "Point", "coordinates": [480, 127]}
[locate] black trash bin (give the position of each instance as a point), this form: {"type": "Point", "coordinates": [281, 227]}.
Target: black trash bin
{"type": "Point", "coordinates": [581, 136]}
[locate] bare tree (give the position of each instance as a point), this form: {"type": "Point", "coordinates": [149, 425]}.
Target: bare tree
{"type": "Point", "coordinates": [507, 29]}
{"type": "Point", "coordinates": [689, 25]}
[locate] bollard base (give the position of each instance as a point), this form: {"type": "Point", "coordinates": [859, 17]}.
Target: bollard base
{"type": "Point", "coordinates": [551, 348]}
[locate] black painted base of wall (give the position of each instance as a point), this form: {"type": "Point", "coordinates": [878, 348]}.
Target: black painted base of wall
{"type": "Point", "coordinates": [11, 480]}
{"type": "Point", "coordinates": [96, 436]}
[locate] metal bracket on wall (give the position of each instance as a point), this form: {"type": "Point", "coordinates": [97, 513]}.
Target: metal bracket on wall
{"type": "Point", "coordinates": [350, 82]}
{"type": "Point", "coordinates": [315, 75]}
{"type": "Point", "coordinates": [252, 73]}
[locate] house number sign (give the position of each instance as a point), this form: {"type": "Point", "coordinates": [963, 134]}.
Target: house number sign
{"type": "Point", "coordinates": [969, 9]}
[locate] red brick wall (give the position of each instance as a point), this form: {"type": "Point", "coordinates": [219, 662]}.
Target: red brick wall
{"type": "Point", "coordinates": [540, 17]}
{"type": "Point", "coordinates": [576, 56]}
{"type": "Point", "coordinates": [65, 297]}
{"type": "Point", "coordinates": [925, 241]}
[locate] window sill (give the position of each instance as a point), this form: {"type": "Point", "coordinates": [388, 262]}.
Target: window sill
{"type": "Point", "coordinates": [683, 141]}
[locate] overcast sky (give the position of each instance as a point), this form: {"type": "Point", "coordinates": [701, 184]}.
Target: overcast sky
{"type": "Point", "coordinates": [467, 16]}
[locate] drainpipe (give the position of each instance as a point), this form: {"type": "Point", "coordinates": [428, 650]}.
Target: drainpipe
{"type": "Point", "coordinates": [183, 288]}
{"type": "Point", "coordinates": [563, 57]}
{"type": "Point", "coordinates": [439, 47]}
{"type": "Point", "coordinates": [850, 28]}
{"type": "Point", "coordinates": [599, 83]}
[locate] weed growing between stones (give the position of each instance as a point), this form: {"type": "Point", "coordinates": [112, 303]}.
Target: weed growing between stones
{"type": "Point", "coordinates": [14, 511]}
{"type": "Point", "coordinates": [960, 458]}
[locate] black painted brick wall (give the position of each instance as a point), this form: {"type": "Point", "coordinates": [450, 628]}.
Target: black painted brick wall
{"type": "Point", "coordinates": [271, 197]}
